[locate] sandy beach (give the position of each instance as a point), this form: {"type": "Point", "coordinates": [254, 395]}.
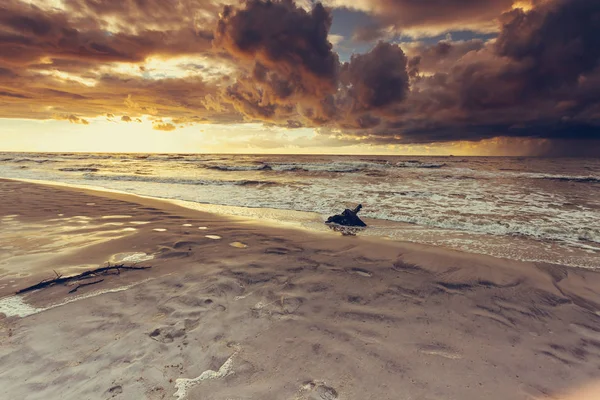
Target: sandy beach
{"type": "Point", "coordinates": [233, 309]}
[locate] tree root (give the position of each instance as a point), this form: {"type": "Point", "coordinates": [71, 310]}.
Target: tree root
{"type": "Point", "coordinates": [109, 270]}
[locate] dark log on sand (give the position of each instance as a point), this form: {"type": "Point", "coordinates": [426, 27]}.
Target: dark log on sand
{"type": "Point", "coordinates": [109, 270]}
{"type": "Point", "coordinates": [347, 218]}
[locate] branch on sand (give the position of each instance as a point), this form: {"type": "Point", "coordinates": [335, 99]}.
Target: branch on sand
{"type": "Point", "coordinates": [84, 284]}
{"type": "Point", "coordinates": [109, 270]}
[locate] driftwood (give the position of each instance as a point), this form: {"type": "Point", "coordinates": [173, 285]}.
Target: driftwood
{"type": "Point", "coordinates": [347, 218]}
{"type": "Point", "coordinates": [109, 270]}
{"type": "Point", "coordinates": [83, 285]}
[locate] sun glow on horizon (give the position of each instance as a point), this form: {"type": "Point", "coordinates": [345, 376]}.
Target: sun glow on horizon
{"type": "Point", "coordinates": [111, 135]}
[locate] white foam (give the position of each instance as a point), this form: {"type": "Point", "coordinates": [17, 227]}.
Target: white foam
{"type": "Point", "coordinates": [159, 229]}
{"type": "Point", "coordinates": [131, 257]}
{"type": "Point", "coordinates": [183, 385]}
{"type": "Point", "coordinates": [213, 237]}
{"type": "Point", "coordinates": [187, 225]}
{"type": "Point", "coordinates": [115, 216]}
{"type": "Point", "coordinates": [14, 306]}
{"type": "Point", "coordinates": [239, 245]}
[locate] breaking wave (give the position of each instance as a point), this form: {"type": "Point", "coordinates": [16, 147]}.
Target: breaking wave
{"type": "Point", "coordinates": [176, 181]}
{"type": "Point", "coordinates": [79, 169]}
{"type": "Point", "coordinates": [335, 167]}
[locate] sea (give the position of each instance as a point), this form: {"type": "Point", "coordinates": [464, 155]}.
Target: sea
{"type": "Point", "coordinates": [533, 209]}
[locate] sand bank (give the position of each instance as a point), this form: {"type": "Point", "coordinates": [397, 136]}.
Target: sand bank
{"type": "Point", "coordinates": [243, 311]}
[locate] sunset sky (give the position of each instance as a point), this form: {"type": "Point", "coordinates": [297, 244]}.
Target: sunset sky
{"type": "Point", "coordinates": [463, 77]}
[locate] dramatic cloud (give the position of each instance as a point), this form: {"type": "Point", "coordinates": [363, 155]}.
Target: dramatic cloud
{"type": "Point", "coordinates": [427, 17]}
{"type": "Point", "coordinates": [540, 78]}
{"type": "Point", "coordinates": [72, 119]}
{"type": "Point", "coordinates": [289, 61]}
{"type": "Point", "coordinates": [294, 78]}
{"type": "Point", "coordinates": [536, 75]}
{"type": "Point", "coordinates": [378, 78]}
{"type": "Point", "coordinates": [163, 126]}
{"type": "Point", "coordinates": [440, 57]}
{"type": "Point", "coordinates": [29, 33]}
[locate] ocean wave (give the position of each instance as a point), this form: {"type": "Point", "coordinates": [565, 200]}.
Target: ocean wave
{"type": "Point", "coordinates": [32, 160]}
{"type": "Point", "coordinates": [293, 167]}
{"type": "Point", "coordinates": [263, 167]}
{"type": "Point", "coordinates": [568, 178]}
{"type": "Point", "coordinates": [574, 235]}
{"type": "Point", "coordinates": [419, 164]}
{"type": "Point", "coordinates": [468, 173]}
{"type": "Point", "coordinates": [79, 169]}
{"type": "Point", "coordinates": [177, 181]}
{"type": "Point", "coordinates": [334, 167]}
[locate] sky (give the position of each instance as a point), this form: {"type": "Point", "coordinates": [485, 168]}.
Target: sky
{"type": "Point", "coordinates": [437, 77]}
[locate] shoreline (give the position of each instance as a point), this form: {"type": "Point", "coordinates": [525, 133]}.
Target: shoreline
{"type": "Point", "coordinates": [311, 222]}
{"type": "Point", "coordinates": [276, 313]}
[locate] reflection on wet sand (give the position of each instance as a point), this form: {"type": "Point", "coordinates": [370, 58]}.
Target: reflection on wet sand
{"type": "Point", "coordinates": [346, 230]}
{"type": "Point", "coordinates": [28, 246]}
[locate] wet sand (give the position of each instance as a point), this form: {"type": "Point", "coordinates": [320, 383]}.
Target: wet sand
{"type": "Point", "coordinates": [234, 310]}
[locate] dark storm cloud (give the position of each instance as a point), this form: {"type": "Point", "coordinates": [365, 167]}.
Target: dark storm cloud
{"type": "Point", "coordinates": [441, 56]}
{"type": "Point", "coordinates": [281, 36]}
{"type": "Point", "coordinates": [286, 55]}
{"type": "Point", "coordinates": [378, 78]}
{"type": "Point", "coordinates": [541, 79]}
{"type": "Point", "coordinates": [293, 76]}
{"type": "Point", "coordinates": [555, 44]}
{"type": "Point", "coordinates": [535, 80]}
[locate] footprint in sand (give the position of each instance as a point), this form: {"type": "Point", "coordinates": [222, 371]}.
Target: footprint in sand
{"type": "Point", "coordinates": [361, 272]}
{"type": "Point", "coordinates": [213, 237]}
{"type": "Point", "coordinates": [115, 390]}
{"type": "Point", "coordinates": [439, 350]}
{"type": "Point", "coordinates": [239, 245]}
{"type": "Point", "coordinates": [167, 334]}
{"type": "Point", "coordinates": [316, 390]}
